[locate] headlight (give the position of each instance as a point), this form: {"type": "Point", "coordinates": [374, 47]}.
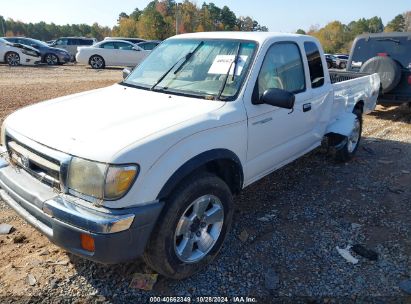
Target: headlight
{"type": "Point", "coordinates": [99, 180]}
{"type": "Point", "coordinates": [30, 53]}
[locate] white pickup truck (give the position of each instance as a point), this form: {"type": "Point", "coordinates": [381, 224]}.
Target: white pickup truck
{"type": "Point", "coordinates": [148, 167]}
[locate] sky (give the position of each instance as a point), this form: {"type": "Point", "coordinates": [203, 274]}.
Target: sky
{"type": "Point", "coordinates": [279, 16]}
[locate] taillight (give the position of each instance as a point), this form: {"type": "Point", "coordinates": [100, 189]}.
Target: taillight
{"type": "Point", "coordinates": [409, 80]}
{"type": "Point", "coordinates": [382, 54]}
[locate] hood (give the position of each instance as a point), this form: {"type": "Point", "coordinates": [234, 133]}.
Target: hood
{"type": "Point", "coordinates": [97, 124]}
{"type": "Point", "coordinates": [56, 49]}
{"type": "Point", "coordinates": [23, 46]}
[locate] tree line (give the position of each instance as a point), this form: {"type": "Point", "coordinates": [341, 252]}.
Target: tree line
{"type": "Point", "coordinates": [156, 21]}
{"type": "Point", "coordinates": [337, 37]}
{"type": "Point", "coordinates": [161, 19]}
{"type": "Point", "coordinates": [165, 18]}
{"type": "Point", "coordinates": [48, 31]}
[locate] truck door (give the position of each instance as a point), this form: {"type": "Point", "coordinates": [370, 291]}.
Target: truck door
{"type": "Point", "coordinates": [276, 135]}
{"type": "Point", "coordinates": [321, 92]}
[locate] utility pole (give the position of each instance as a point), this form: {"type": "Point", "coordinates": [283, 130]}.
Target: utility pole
{"type": "Point", "coordinates": [177, 5]}
{"type": "Point", "coordinates": [2, 26]}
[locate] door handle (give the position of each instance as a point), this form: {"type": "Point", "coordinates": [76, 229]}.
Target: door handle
{"type": "Point", "coordinates": [306, 107]}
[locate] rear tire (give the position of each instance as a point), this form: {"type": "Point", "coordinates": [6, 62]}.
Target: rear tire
{"type": "Point", "coordinates": [97, 62]}
{"type": "Point", "coordinates": [345, 151]}
{"type": "Point", "coordinates": [12, 59]}
{"type": "Point", "coordinates": [192, 227]}
{"type": "Point", "coordinates": [343, 65]}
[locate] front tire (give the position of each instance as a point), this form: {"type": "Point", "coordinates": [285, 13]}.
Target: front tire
{"type": "Point", "coordinates": [51, 59]}
{"type": "Point", "coordinates": [192, 228]}
{"type": "Point", "coordinates": [348, 147]}
{"type": "Point", "coordinates": [12, 59]}
{"type": "Point", "coordinates": [97, 62]}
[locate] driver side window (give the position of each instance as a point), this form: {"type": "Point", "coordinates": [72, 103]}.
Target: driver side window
{"type": "Point", "coordinates": [282, 69]}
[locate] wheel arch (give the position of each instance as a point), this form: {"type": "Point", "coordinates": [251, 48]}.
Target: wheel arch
{"type": "Point", "coordinates": [94, 54]}
{"type": "Point", "coordinates": [8, 52]}
{"type": "Point", "coordinates": [359, 106]}
{"type": "Point", "coordinates": [222, 162]}
{"type": "Point", "coordinates": [50, 53]}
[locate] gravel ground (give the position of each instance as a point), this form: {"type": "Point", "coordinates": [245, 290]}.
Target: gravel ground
{"type": "Point", "coordinates": [282, 247]}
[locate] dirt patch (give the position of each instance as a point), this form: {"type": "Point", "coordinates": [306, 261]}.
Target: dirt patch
{"type": "Point", "coordinates": [22, 86]}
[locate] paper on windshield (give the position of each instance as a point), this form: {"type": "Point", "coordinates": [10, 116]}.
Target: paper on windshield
{"type": "Point", "coordinates": [222, 63]}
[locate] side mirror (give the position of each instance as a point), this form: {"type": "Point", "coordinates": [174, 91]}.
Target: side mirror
{"type": "Point", "coordinates": [127, 71]}
{"type": "Point", "coordinates": [278, 98]}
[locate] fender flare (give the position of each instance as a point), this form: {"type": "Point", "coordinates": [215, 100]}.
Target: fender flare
{"type": "Point", "coordinates": [199, 161]}
{"type": "Point", "coordinates": [343, 125]}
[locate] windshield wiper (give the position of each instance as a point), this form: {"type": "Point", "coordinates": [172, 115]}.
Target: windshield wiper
{"type": "Point", "coordinates": [235, 61]}
{"type": "Point", "coordinates": [186, 57]}
{"type": "Point", "coordinates": [389, 39]}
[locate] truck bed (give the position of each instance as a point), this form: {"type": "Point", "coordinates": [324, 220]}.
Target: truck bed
{"type": "Point", "coordinates": [351, 88]}
{"type": "Point", "coordinates": [340, 76]}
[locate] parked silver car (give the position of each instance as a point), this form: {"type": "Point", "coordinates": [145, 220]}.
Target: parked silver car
{"type": "Point", "coordinates": [70, 44]}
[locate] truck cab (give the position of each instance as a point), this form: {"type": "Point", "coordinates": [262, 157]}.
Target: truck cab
{"type": "Point", "coordinates": [150, 166]}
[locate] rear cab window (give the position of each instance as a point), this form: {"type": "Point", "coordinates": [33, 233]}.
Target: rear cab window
{"type": "Point", "coordinates": [315, 64]}
{"type": "Point", "coordinates": [397, 48]}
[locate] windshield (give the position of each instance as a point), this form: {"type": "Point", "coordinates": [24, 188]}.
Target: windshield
{"type": "Point", "coordinates": [195, 67]}
{"type": "Point", "coordinates": [39, 42]}
{"type": "Point", "coordinates": [397, 48]}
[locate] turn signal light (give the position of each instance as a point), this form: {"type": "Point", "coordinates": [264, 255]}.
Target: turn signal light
{"type": "Point", "coordinates": [87, 242]}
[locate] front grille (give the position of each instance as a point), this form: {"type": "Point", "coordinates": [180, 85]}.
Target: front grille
{"type": "Point", "coordinates": [42, 167]}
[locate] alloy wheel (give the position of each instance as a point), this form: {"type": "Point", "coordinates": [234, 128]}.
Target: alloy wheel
{"type": "Point", "coordinates": [52, 59]}
{"type": "Point", "coordinates": [354, 137]}
{"type": "Point", "coordinates": [198, 229]}
{"type": "Point", "coordinates": [13, 59]}
{"type": "Point", "coordinates": [96, 62]}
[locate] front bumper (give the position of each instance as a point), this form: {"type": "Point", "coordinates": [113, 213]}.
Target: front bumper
{"type": "Point", "coordinates": [30, 60]}
{"type": "Point", "coordinates": [64, 58]}
{"type": "Point", "coordinates": [119, 235]}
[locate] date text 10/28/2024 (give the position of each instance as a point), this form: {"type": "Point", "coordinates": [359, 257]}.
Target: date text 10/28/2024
{"type": "Point", "coordinates": [203, 300]}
